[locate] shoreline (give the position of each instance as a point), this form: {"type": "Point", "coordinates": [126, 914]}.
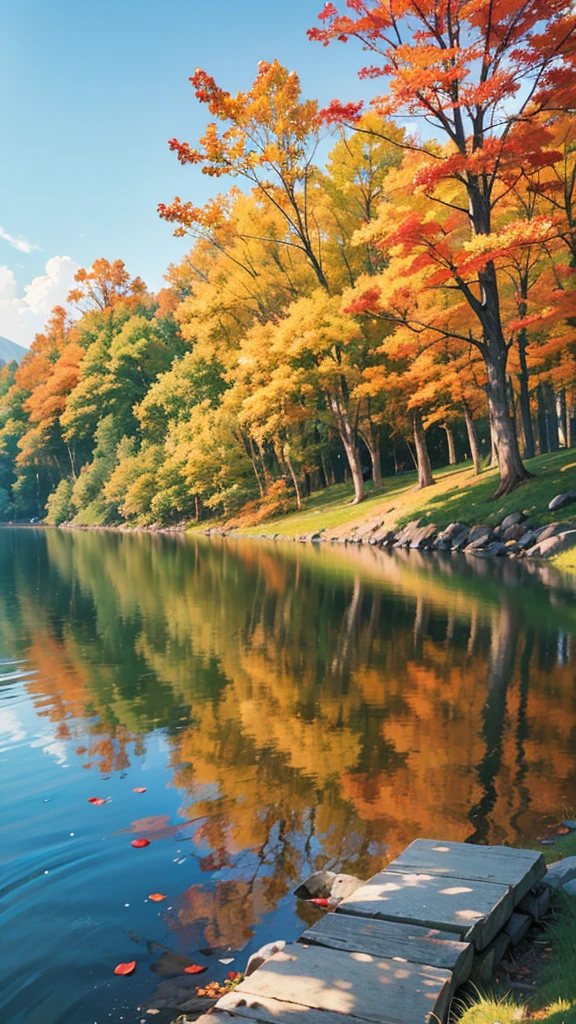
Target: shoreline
{"type": "Point", "coordinates": [513, 538]}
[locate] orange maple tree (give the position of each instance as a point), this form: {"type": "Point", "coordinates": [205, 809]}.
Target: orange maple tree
{"type": "Point", "coordinates": [488, 77]}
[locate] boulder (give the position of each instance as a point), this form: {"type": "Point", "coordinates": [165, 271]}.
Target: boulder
{"type": "Point", "coordinates": [407, 534]}
{"type": "Point", "coordinates": [458, 541]}
{"type": "Point", "coordinates": [513, 532]}
{"type": "Point", "coordinates": [262, 955]}
{"type": "Point", "coordinates": [513, 519]}
{"type": "Point", "coordinates": [479, 535]}
{"type": "Point", "coordinates": [441, 544]}
{"type": "Point", "coordinates": [383, 535]}
{"type": "Point", "coordinates": [562, 500]}
{"type": "Point", "coordinates": [570, 823]}
{"type": "Point", "coordinates": [423, 537]}
{"type": "Point", "coordinates": [344, 885]}
{"type": "Point", "coordinates": [560, 872]}
{"type": "Point", "coordinates": [328, 884]}
{"type": "Point", "coordinates": [528, 539]}
{"type": "Point", "coordinates": [551, 530]}
{"type": "Point", "coordinates": [495, 548]}
{"type": "Point", "coordinates": [553, 545]}
{"type": "Point", "coordinates": [570, 887]}
{"type": "Point", "coordinates": [317, 884]}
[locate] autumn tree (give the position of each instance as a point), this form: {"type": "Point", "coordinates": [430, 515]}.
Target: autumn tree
{"type": "Point", "coordinates": [103, 285]}
{"type": "Point", "coordinates": [479, 75]}
{"type": "Point", "coordinates": [269, 138]}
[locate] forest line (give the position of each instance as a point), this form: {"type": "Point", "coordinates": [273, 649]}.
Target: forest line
{"type": "Point", "coordinates": [334, 316]}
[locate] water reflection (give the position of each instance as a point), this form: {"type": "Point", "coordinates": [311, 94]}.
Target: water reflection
{"type": "Point", "coordinates": [314, 707]}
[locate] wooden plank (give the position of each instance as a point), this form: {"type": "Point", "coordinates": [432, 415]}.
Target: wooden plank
{"type": "Point", "coordinates": [352, 984]}
{"type": "Point", "coordinates": [518, 927]}
{"type": "Point", "coordinates": [473, 910]}
{"type": "Point", "coordinates": [536, 904]}
{"type": "Point", "coordinates": [395, 941]}
{"type": "Point", "coordinates": [268, 1011]}
{"type": "Point", "coordinates": [520, 869]}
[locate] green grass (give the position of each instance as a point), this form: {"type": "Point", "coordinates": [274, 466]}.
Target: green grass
{"type": "Point", "coordinates": [456, 495]}
{"type": "Point", "coordinates": [553, 473]}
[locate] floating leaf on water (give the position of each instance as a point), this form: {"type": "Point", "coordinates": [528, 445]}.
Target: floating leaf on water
{"type": "Point", "coordinates": [320, 901]}
{"type": "Point", "coordinates": [140, 789]}
{"type": "Point", "coordinates": [156, 897]}
{"type": "Point", "coordinates": [125, 969]}
{"type": "Point", "coordinates": [195, 969]}
{"type": "Point", "coordinates": [139, 843]}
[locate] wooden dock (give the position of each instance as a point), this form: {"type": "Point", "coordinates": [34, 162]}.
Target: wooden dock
{"type": "Point", "coordinates": [395, 951]}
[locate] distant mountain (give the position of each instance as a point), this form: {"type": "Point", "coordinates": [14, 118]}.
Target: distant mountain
{"type": "Point", "coordinates": [9, 350]}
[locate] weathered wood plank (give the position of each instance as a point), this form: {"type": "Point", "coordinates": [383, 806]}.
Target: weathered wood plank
{"type": "Point", "coordinates": [520, 869]}
{"type": "Point", "coordinates": [269, 1011]}
{"type": "Point", "coordinates": [353, 984]}
{"type": "Point", "coordinates": [518, 927]}
{"type": "Point", "coordinates": [473, 910]}
{"type": "Point", "coordinates": [536, 904]}
{"type": "Point", "coordinates": [395, 941]}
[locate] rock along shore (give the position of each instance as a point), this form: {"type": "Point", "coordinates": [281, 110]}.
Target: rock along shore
{"type": "Point", "coordinates": [514, 537]}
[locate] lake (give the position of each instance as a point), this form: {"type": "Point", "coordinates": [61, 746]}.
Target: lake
{"type": "Point", "coordinates": [285, 707]}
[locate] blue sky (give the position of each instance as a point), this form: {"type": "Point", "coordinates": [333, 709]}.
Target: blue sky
{"type": "Point", "coordinates": [92, 93]}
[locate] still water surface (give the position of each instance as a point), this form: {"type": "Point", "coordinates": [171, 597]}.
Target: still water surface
{"type": "Point", "coordinates": [286, 708]}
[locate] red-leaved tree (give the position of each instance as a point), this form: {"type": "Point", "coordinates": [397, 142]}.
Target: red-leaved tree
{"type": "Point", "coordinates": [487, 76]}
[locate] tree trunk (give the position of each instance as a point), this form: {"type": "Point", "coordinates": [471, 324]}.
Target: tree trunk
{"type": "Point", "coordinates": [472, 438]}
{"type": "Point", "coordinates": [249, 449]}
{"type": "Point", "coordinates": [288, 461]}
{"type": "Point", "coordinates": [562, 408]}
{"type": "Point", "coordinates": [265, 472]}
{"type": "Point", "coordinates": [425, 477]}
{"type": "Point", "coordinates": [324, 469]}
{"type": "Point", "coordinates": [542, 424]}
{"type": "Point", "coordinates": [571, 424]}
{"type": "Point", "coordinates": [349, 442]}
{"type": "Point", "coordinates": [451, 446]}
{"type": "Point", "coordinates": [495, 349]}
{"type": "Point", "coordinates": [493, 450]}
{"type": "Point", "coordinates": [524, 400]}
{"type": "Point", "coordinates": [551, 417]}
{"type": "Point", "coordinates": [371, 438]}
{"type": "Point", "coordinates": [512, 471]}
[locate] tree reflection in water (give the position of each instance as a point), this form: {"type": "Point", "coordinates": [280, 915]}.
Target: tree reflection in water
{"type": "Point", "coordinates": [321, 707]}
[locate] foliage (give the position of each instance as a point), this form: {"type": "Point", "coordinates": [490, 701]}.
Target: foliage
{"type": "Point", "coordinates": [333, 311]}
{"type": "Point", "coordinates": [59, 503]}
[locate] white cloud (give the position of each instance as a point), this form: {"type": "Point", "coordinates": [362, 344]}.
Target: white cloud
{"type": "Point", "coordinates": [21, 317]}
{"type": "Point", "coordinates": [20, 243]}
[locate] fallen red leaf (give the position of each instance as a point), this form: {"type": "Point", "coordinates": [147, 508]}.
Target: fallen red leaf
{"type": "Point", "coordinates": [157, 897]}
{"type": "Point", "coordinates": [124, 969]}
{"type": "Point", "coordinates": [233, 974]}
{"type": "Point", "coordinates": [320, 901]}
{"type": "Point", "coordinates": [139, 843]}
{"type": "Point", "coordinates": [195, 969]}
{"type": "Point", "coordinates": [140, 789]}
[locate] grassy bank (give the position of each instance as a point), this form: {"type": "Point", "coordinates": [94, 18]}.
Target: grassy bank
{"type": "Point", "coordinates": [456, 495]}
